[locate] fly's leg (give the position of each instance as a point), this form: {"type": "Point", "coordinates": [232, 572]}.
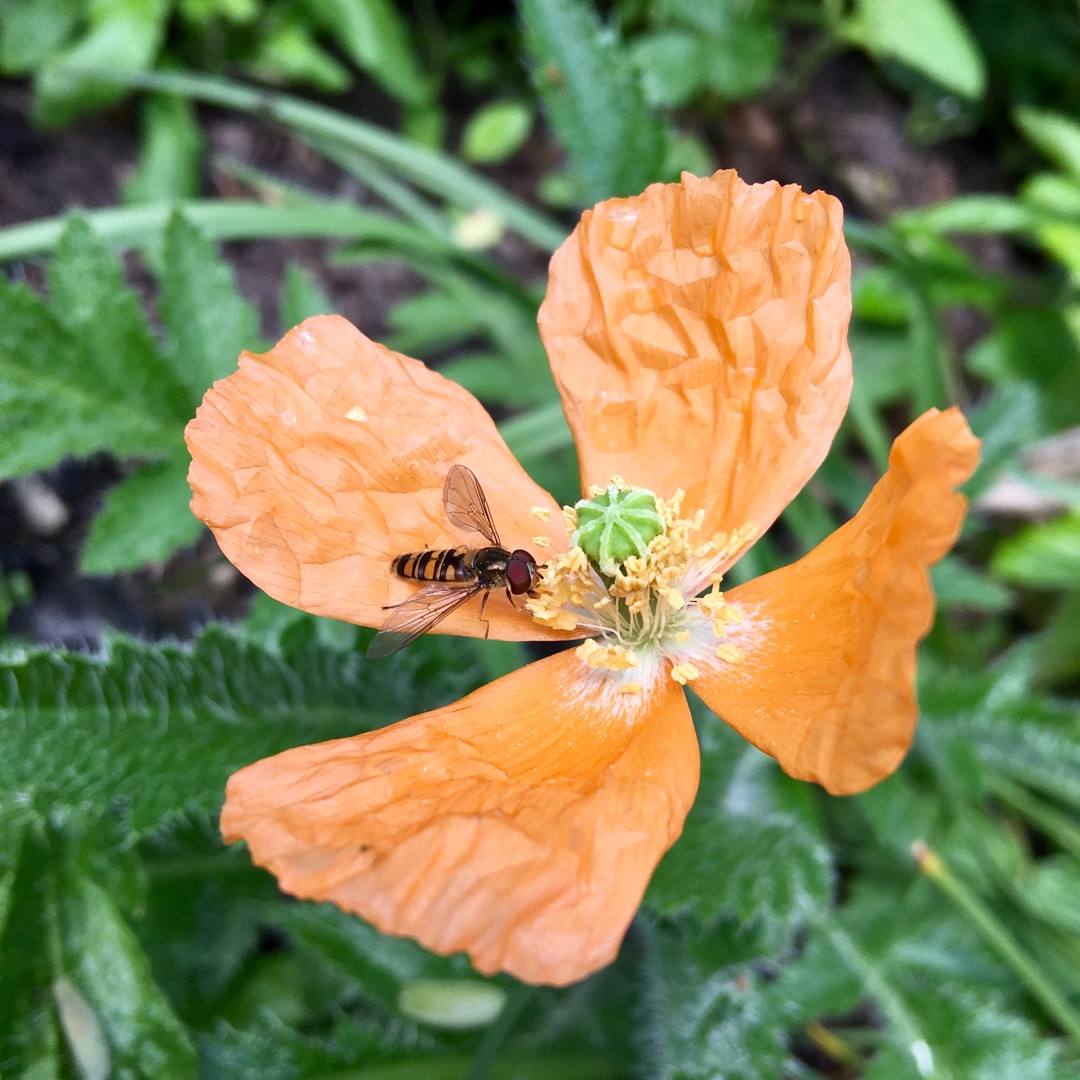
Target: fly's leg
{"type": "Point", "coordinates": [483, 606]}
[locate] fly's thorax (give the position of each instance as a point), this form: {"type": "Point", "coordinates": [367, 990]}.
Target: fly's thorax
{"type": "Point", "coordinates": [630, 581]}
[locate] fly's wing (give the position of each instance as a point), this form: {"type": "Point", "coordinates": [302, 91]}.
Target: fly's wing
{"type": "Point", "coordinates": [417, 615]}
{"type": "Point", "coordinates": [466, 504]}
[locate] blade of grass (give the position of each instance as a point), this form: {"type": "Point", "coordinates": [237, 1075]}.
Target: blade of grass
{"type": "Point", "coordinates": [537, 432]}
{"type": "Point", "coordinates": [998, 938]}
{"type": "Point", "coordinates": [384, 184]}
{"type": "Point", "coordinates": [434, 172]}
{"type": "Point", "coordinates": [132, 226]}
{"type": "Point", "coordinates": [890, 1003]}
{"type": "Point", "coordinates": [1041, 814]}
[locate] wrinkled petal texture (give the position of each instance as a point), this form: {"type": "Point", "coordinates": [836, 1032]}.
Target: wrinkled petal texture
{"type": "Point", "coordinates": [520, 824]}
{"type": "Point", "coordinates": [318, 462]}
{"type": "Point", "coordinates": [698, 336]}
{"type": "Point", "coordinates": [827, 684]}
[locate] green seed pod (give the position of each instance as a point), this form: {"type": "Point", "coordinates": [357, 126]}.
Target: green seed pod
{"type": "Point", "coordinates": [617, 525]}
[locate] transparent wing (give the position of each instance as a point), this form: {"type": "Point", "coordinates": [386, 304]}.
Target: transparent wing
{"type": "Point", "coordinates": [466, 504]}
{"type": "Point", "coordinates": [417, 615]}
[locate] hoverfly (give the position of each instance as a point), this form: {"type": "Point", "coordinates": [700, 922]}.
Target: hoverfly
{"type": "Point", "coordinates": [456, 574]}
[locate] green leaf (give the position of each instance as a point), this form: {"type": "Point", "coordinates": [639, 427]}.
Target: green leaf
{"type": "Point", "coordinates": [672, 65]}
{"type": "Point", "coordinates": [748, 847]}
{"type": "Point", "coordinates": [171, 154]}
{"type": "Point", "coordinates": [209, 323]}
{"type": "Point", "coordinates": [1043, 556]}
{"type": "Point", "coordinates": [302, 297]}
{"type": "Point", "coordinates": [593, 97]}
{"type": "Point", "coordinates": [123, 36]}
{"type": "Point", "coordinates": [1056, 135]}
{"type": "Point", "coordinates": [958, 585]}
{"type": "Point", "coordinates": [90, 298]}
{"type": "Point", "coordinates": [382, 965]}
{"type": "Point", "coordinates": [82, 733]}
{"type": "Point", "coordinates": [144, 520]}
{"type": "Point", "coordinates": [376, 38]}
{"type": "Point", "coordinates": [928, 36]}
{"type": "Point", "coordinates": [496, 131]}
{"type": "Point", "coordinates": [702, 1013]}
{"type": "Point", "coordinates": [1052, 892]}
{"type": "Point", "coordinates": [92, 384]}
{"type": "Point", "coordinates": [982, 215]}
{"type": "Point", "coordinates": [32, 30]}
{"type": "Point", "coordinates": [288, 53]}
{"type": "Point", "coordinates": [111, 971]}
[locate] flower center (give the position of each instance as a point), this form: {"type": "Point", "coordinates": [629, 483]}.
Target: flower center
{"type": "Point", "coordinates": [631, 578]}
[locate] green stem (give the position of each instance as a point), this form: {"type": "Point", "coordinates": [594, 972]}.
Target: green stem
{"type": "Point", "coordinates": [429, 170]}
{"type": "Point", "coordinates": [998, 938]}
{"type": "Point", "coordinates": [890, 1003]}
{"type": "Point", "coordinates": [497, 1034]}
{"type": "Point", "coordinates": [1040, 814]}
{"type": "Point", "coordinates": [517, 1067]}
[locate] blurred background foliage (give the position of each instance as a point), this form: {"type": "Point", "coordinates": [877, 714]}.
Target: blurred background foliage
{"type": "Point", "coordinates": [412, 166]}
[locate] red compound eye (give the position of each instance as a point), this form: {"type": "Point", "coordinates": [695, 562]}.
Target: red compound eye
{"type": "Point", "coordinates": [520, 571]}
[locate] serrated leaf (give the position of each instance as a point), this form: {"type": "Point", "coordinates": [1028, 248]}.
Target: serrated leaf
{"type": "Point", "coordinates": [111, 971]}
{"type": "Point", "coordinates": [702, 1014]}
{"type": "Point", "coordinates": [55, 403]}
{"type": "Point", "coordinates": [83, 733]}
{"type": "Point", "coordinates": [144, 520]}
{"type": "Point", "coordinates": [209, 323]}
{"type": "Point", "coordinates": [743, 851]}
{"type": "Point", "coordinates": [593, 97]}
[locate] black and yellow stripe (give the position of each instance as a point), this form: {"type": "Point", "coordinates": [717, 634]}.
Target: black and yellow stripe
{"type": "Point", "coordinates": [449, 564]}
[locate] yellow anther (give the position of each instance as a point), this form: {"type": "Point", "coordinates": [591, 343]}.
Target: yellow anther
{"type": "Point", "coordinates": [541, 512]}
{"type": "Point", "coordinates": [630, 688]}
{"type": "Point", "coordinates": [542, 541]}
{"type": "Point", "coordinates": [569, 517]}
{"type": "Point", "coordinates": [611, 657]}
{"type": "Point", "coordinates": [731, 654]}
{"type": "Point", "coordinates": [675, 599]}
{"type": "Point", "coordinates": [683, 635]}
{"type": "Point", "coordinates": [684, 673]}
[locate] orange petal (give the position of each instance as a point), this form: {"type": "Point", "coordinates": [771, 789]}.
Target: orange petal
{"type": "Point", "coordinates": [698, 335]}
{"type": "Point", "coordinates": [520, 824]}
{"type": "Point", "coordinates": [827, 683]}
{"type": "Point", "coordinates": [321, 460]}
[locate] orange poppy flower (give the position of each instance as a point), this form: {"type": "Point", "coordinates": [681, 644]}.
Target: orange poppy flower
{"type": "Point", "coordinates": [697, 334]}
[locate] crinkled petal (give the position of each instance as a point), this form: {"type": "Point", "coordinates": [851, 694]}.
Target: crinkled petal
{"type": "Point", "coordinates": [520, 824]}
{"type": "Point", "coordinates": [827, 683]}
{"type": "Point", "coordinates": [698, 335]}
{"type": "Point", "coordinates": [318, 462]}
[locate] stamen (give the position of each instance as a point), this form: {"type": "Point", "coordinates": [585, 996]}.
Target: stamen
{"type": "Point", "coordinates": [644, 599]}
{"type": "Point", "coordinates": [684, 673]}
{"type": "Point", "coordinates": [541, 512]}
{"type": "Point", "coordinates": [732, 654]}
{"type": "Point", "coordinates": [542, 541]}
{"type": "Point", "coordinates": [630, 688]}
{"type": "Point", "coordinates": [612, 657]}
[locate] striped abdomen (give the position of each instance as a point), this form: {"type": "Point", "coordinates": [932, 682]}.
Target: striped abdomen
{"type": "Point", "coordinates": [449, 564]}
